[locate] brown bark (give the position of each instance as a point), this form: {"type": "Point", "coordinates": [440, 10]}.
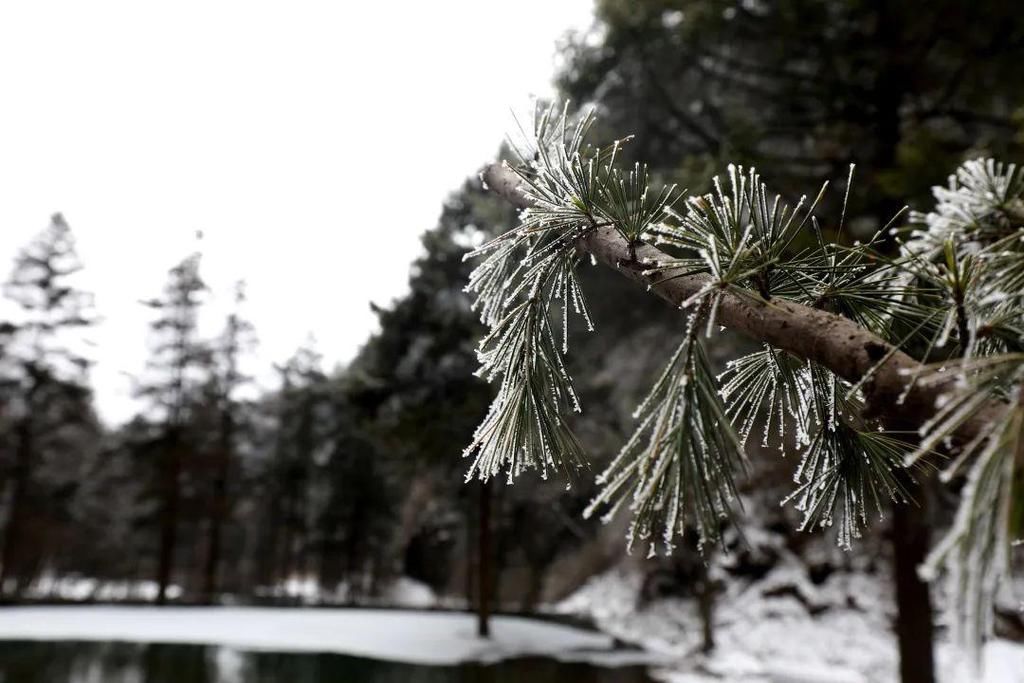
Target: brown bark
{"type": "Point", "coordinates": [483, 623]}
{"type": "Point", "coordinates": [830, 340]}
{"type": "Point", "coordinates": [915, 631]}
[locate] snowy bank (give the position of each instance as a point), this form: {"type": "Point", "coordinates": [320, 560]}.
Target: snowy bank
{"type": "Point", "coordinates": [765, 634]}
{"type": "Point", "coordinates": [433, 638]}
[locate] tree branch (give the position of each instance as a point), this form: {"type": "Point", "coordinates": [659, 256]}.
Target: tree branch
{"type": "Point", "coordinates": [830, 340]}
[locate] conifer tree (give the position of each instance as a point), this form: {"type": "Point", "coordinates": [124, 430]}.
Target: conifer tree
{"type": "Point", "coordinates": [804, 88]}
{"type": "Point", "coordinates": [801, 89]}
{"type": "Point", "coordinates": [299, 436]}
{"type": "Point", "coordinates": [873, 366]}
{"type": "Point", "coordinates": [227, 379]}
{"type": "Point", "coordinates": [177, 358]}
{"type": "Point", "coordinates": [356, 507]}
{"type": "Point", "coordinates": [45, 381]}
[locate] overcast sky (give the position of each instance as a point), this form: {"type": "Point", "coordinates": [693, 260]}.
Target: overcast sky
{"type": "Point", "coordinates": [311, 143]}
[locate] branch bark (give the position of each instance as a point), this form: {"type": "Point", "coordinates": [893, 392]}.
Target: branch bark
{"type": "Point", "coordinates": [830, 340]}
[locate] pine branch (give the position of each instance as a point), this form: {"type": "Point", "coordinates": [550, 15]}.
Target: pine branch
{"type": "Point", "coordinates": [678, 467]}
{"type": "Point", "coordinates": [830, 340]}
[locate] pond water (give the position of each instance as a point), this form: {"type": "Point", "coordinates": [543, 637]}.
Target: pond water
{"type": "Point", "coordinates": [98, 662]}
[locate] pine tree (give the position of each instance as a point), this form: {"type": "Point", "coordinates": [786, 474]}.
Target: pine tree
{"type": "Point", "coordinates": [803, 88]}
{"type": "Point", "coordinates": [227, 379]}
{"type": "Point", "coordinates": [836, 376]}
{"type": "Point", "coordinates": [356, 504]}
{"type": "Point", "coordinates": [176, 362]}
{"type": "Point", "coordinates": [800, 89]}
{"type": "Point", "coordinates": [111, 507]}
{"type": "Point", "coordinates": [298, 439]}
{"type": "Point", "coordinates": [45, 381]}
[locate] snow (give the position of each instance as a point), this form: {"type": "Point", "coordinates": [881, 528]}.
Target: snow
{"type": "Point", "coordinates": [305, 589]}
{"type": "Point", "coordinates": [428, 638]}
{"type": "Point", "coordinates": [764, 631]}
{"type": "Point", "coordinates": [77, 588]}
{"type": "Point", "coordinates": [406, 592]}
{"type": "Point", "coordinates": [765, 634]}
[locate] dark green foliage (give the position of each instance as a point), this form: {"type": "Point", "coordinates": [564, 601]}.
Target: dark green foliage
{"type": "Point", "coordinates": [47, 420]}
{"type": "Point", "coordinates": [801, 89]}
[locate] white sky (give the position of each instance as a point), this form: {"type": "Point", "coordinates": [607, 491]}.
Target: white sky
{"type": "Point", "coordinates": [311, 142]}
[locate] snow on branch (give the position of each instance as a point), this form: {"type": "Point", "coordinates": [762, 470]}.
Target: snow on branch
{"type": "Point", "coordinates": [836, 322]}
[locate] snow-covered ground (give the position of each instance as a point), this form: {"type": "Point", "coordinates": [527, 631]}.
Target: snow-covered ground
{"type": "Point", "coordinates": [402, 592]}
{"type": "Point", "coordinates": [81, 588]}
{"type": "Point", "coordinates": [395, 635]}
{"type": "Point", "coordinates": [765, 632]}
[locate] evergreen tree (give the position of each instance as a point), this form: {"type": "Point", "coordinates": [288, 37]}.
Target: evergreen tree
{"type": "Point", "coordinates": [800, 89]}
{"type": "Point", "coordinates": [299, 438]}
{"type": "Point", "coordinates": [177, 359]}
{"type": "Point", "coordinates": [113, 508]}
{"type": "Point", "coordinates": [356, 515]}
{"type": "Point", "coordinates": [835, 376]}
{"type": "Point", "coordinates": [48, 413]}
{"type": "Point", "coordinates": [227, 378]}
{"type": "Point", "coordinates": [413, 384]}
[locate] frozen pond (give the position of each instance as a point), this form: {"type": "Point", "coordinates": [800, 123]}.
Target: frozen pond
{"type": "Point", "coordinates": [93, 662]}
{"type": "Point", "coordinates": [95, 644]}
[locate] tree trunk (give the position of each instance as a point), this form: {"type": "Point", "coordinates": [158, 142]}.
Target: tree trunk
{"type": "Point", "coordinates": [169, 514]}
{"type": "Point", "coordinates": [915, 630]}
{"type": "Point", "coordinates": [219, 508]}
{"type": "Point", "coordinates": [471, 556]}
{"type": "Point", "coordinates": [354, 560]}
{"type": "Point", "coordinates": [534, 588]}
{"type": "Point", "coordinates": [914, 618]}
{"type": "Point", "coordinates": [269, 565]}
{"type": "Point", "coordinates": [15, 522]}
{"type": "Point", "coordinates": [483, 622]}
{"type": "Point", "coordinates": [706, 604]}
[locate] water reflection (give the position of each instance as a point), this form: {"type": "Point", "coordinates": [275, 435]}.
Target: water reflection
{"type": "Point", "coordinates": [79, 662]}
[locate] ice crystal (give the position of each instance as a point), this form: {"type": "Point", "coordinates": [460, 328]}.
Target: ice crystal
{"type": "Point", "coordinates": [953, 297]}
{"type": "Point", "coordinates": [764, 388]}
{"type": "Point", "coordinates": [843, 473]}
{"type": "Point", "coordinates": [678, 467]}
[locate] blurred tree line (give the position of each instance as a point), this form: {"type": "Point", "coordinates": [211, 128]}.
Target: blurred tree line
{"type": "Point", "coordinates": [324, 489]}
{"type": "Point", "coordinates": [801, 89]}
{"type": "Point", "coordinates": [352, 477]}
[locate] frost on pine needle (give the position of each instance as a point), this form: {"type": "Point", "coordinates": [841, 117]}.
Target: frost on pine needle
{"type": "Point", "coordinates": [737, 235]}
{"type": "Point", "coordinates": [525, 428]}
{"type": "Point", "coordinates": [527, 282]}
{"type": "Point", "coordinates": [678, 468]}
{"type": "Point", "coordinates": [764, 388]}
{"type": "Point", "coordinates": [630, 205]}
{"type": "Point", "coordinates": [846, 473]}
{"type": "Point", "coordinates": [980, 203]}
{"type": "Point", "coordinates": [848, 468]}
{"type": "Point", "coordinates": [951, 299]}
{"type": "Point", "coordinates": [974, 553]}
